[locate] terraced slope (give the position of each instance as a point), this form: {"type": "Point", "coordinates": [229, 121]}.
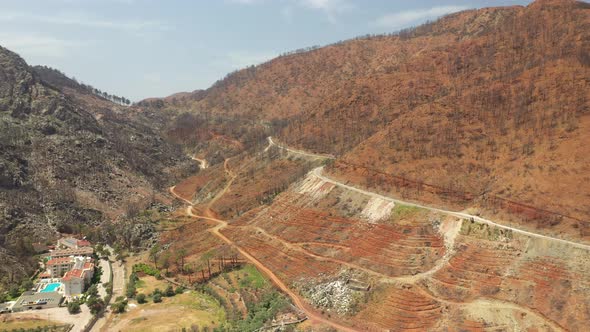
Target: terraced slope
{"type": "Point", "coordinates": [484, 108]}
{"type": "Point", "coordinates": [424, 273]}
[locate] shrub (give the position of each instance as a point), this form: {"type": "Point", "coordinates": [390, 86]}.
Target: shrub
{"type": "Point", "coordinates": [119, 307]}
{"type": "Point", "coordinates": [95, 304]}
{"type": "Point", "coordinates": [179, 290]}
{"type": "Point", "coordinates": [169, 291]}
{"type": "Point", "coordinates": [130, 291]}
{"type": "Point", "coordinates": [147, 269]}
{"type": "Point", "coordinates": [157, 298]}
{"type": "Point", "coordinates": [141, 299]}
{"type": "Point", "coordinates": [74, 307]}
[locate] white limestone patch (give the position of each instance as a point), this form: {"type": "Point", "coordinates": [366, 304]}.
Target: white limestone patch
{"type": "Point", "coordinates": [377, 209]}
{"type": "Point", "coordinates": [314, 187]}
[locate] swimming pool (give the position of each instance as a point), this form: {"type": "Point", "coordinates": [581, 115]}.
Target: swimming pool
{"type": "Point", "coordinates": [51, 287]}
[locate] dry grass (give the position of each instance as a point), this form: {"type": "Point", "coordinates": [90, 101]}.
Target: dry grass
{"type": "Point", "coordinates": [148, 284]}
{"type": "Point", "coordinates": [25, 323]}
{"type": "Point", "coordinates": [173, 314]}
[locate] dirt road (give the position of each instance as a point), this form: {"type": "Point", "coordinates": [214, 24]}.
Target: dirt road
{"type": "Point", "coordinates": [299, 303]}
{"type": "Point", "coordinates": [221, 224]}
{"type": "Point", "coordinates": [203, 164]}
{"type": "Point", "coordinates": [118, 290]}
{"type": "Point", "coordinates": [318, 173]}
{"type": "Point", "coordinates": [301, 152]}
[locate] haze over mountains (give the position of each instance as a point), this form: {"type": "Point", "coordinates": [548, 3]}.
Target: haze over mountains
{"type": "Point", "coordinates": [484, 111]}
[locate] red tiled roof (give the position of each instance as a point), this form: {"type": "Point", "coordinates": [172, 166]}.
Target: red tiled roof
{"type": "Point", "coordinates": [83, 243]}
{"type": "Point", "coordinates": [88, 266]}
{"type": "Point", "coordinates": [59, 260]}
{"type": "Point", "coordinates": [75, 273]}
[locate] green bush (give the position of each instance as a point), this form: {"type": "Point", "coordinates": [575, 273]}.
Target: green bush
{"type": "Point", "coordinates": [141, 298]}
{"type": "Point", "coordinates": [157, 298]}
{"type": "Point", "coordinates": [147, 269]}
{"type": "Point", "coordinates": [119, 307]}
{"type": "Point", "coordinates": [131, 290]}
{"type": "Point", "coordinates": [95, 304]}
{"type": "Point", "coordinates": [74, 307]}
{"type": "Point", "coordinates": [179, 290]}
{"type": "Point", "coordinates": [169, 291]}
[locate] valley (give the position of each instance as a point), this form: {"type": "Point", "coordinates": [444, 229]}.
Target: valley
{"type": "Point", "coordinates": [432, 179]}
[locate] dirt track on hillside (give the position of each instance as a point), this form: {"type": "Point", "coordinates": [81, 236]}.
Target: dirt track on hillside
{"type": "Point", "coordinates": [221, 224]}
{"type": "Point", "coordinates": [209, 214]}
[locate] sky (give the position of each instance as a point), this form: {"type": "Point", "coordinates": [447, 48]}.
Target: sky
{"type": "Point", "coordinates": [147, 48]}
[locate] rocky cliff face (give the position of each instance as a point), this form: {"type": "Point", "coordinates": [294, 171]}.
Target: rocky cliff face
{"type": "Point", "coordinates": [68, 161]}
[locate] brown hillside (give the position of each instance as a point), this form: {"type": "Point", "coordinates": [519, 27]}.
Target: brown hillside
{"type": "Point", "coordinates": [491, 104]}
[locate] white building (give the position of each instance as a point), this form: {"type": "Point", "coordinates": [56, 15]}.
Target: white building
{"type": "Point", "coordinates": [57, 267]}
{"type": "Point", "coordinates": [78, 277]}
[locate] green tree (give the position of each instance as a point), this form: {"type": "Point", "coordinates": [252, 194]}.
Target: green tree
{"type": "Point", "coordinates": [141, 298]}
{"type": "Point", "coordinates": [119, 307]}
{"type": "Point", "coordinates": [74, 307]}
{"type": "Point", "coordinates": [169, 291]}
{"type": "Point", "coordinates": [95, 304]}
{"type": "Point", "coordinates": [154, 254]}
{"type": "Point", "coordinates": [26, 285]}
{"type": "Point", "coordinates": [92, 291]}
{"type": "Point", "coordinates": [13, 291]}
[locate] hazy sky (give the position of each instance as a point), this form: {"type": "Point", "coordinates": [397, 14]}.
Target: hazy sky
{"type": "Point", "coordinates": [143, 48]}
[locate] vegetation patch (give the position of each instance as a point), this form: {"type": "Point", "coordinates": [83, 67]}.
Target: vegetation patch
{"type": "Point", "coordinates": [147, 269]}
{"type": "Point", "coordinates": [402, 211]}
{"type": "Point", "coordinates": [249, 276]}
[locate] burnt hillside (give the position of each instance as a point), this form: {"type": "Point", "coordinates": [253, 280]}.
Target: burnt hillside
{"type": "Point", "coordinates": [66, 164]}
{"type": "Point", "coordinates": [482, 102]}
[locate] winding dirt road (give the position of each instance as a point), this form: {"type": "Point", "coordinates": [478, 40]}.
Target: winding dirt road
{"type": "Point", "coordinates": [301, 152]}
{"type": "Point", "coordinates": [208, 214]}
{"type": "Point", "coordinates": [318, 173]}
{"type": "Point", "coordinates": [221, 224]}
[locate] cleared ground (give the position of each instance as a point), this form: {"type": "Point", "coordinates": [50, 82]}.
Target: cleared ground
{"type": "Point", "coordinates": [173, 314]}
{"type": "Point", "coordinates": [15, 323]}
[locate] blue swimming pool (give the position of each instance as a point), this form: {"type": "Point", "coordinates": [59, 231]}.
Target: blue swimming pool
{"type": "Point", "coordinates": [51, 287]}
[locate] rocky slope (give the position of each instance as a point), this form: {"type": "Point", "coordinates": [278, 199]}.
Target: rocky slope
{"type": "Point", "coordinates": [68, 161]}
{"type": "Point", "coordinates": [484, 108]}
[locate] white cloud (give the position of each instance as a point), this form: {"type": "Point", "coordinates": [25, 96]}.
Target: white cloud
{"type": "Point", "coordinates": [332, 8]}
{"type": "Point", "coordinates": [410, 17]}
{"type": "Point", "coordinates": [83, 20]}
{"type": "Point", "coordinates": [37, 45]}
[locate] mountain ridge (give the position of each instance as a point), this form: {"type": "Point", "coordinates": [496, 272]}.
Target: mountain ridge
{"type": "Point", "coordinates": [454, 103]}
